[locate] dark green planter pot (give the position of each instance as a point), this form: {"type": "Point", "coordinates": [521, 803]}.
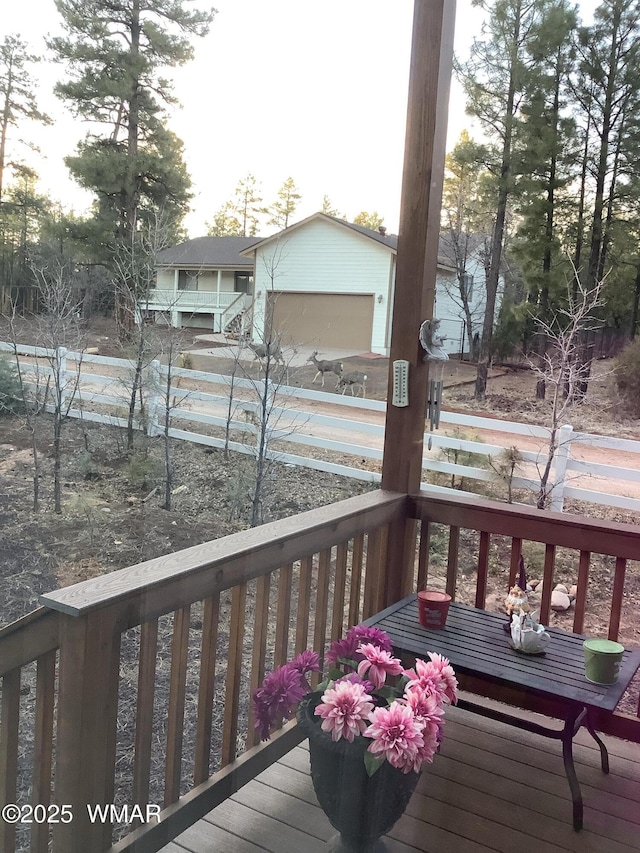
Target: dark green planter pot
{"type": "Point", "coordinates": [360, 807]}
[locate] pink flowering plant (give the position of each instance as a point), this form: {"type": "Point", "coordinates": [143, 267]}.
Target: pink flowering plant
{"type": "Point", "coordinates": [366, 693]}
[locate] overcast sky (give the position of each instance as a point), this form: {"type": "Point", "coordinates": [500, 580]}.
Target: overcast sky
{"type": "Point", "coordinates": [279, 88]}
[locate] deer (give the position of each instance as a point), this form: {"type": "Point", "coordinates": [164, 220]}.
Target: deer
{"type": "Point", "coordinates": [263, 351]}
{"type": "Point", "coordinates": [325, 367]}
{"type": "Point", "coordinates": [351, 380]}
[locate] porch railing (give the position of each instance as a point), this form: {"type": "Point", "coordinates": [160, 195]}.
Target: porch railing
{"type": "Point", "coordinates": [149, 701]}
{"type": "Point", "coordinates": [186, 299]}
{"type": "Point", "coordinates": [479, 539]}
{"type": "Point", "coordinates": [133, 687]}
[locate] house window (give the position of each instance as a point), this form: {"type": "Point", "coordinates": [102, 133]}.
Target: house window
{"type": "Point", "coordinates": [187, 280]}
{"type": "Point", "coordinates": [467, 285]}
{"type": "Point", "coordinates": [243, 282]}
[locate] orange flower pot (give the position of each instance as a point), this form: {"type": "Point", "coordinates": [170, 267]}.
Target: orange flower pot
{"type": "Point", "coordinates": [433, 607]}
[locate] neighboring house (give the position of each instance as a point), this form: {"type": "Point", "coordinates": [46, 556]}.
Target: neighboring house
{"type": "Point", "coordinates": [204, 282]}
{"type": "Point", "coordinates": [466, 256]}
{"type": "Point", "coordinates": [328, 283]}
{"type": "Point", "coordinates": [323, 282]}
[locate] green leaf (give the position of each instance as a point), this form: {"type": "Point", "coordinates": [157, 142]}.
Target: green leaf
{"type": "Point", "coordinates": [371, 763]}
{"type": "Point", "coordinates": [388, 693]}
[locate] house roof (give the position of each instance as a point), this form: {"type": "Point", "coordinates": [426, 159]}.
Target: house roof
{"type": "Point", "coordinates": [209, 252]}
{"type": "Point", "coordinates": [388, 240]}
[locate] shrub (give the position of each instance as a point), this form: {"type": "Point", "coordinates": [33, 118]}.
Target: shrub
{"type": "Point", "coordinates": [10, 393]}
{"type": "Point", "coordinates": [627, 376]}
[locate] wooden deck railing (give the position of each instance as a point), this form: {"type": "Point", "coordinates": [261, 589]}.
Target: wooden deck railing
{"type": "Point", "coordinates": [133, 687]}
{"type": "Point", "coordinates": [156, 664]}
{"type": "Point", "coordinates": [486, 538]}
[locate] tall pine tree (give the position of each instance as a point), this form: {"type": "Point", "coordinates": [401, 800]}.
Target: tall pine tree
{"type": "Point", "coordinates": [494, 78]}
{"type": "Point", "coordinates": [115, 53]}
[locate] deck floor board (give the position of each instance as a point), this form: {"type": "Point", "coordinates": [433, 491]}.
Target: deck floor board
{"type": "Point", "coordinates": [493, 789]}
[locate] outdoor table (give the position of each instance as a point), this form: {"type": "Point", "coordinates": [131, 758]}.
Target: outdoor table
{"type": "Point", "coordinates": [477, 646]}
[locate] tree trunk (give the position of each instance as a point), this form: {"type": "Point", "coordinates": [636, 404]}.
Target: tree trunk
{"type": "Point", "coordinates": [498, 230]}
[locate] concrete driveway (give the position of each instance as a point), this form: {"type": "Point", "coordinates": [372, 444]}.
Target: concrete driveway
{"type": "Point", "coordinates": [293, 356]}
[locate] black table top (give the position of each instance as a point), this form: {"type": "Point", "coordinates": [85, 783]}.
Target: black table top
{"type": "Point", "coordinates": [476, 644]}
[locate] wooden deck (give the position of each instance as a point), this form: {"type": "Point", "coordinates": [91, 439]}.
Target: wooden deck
{"type": "Point", "coordinates": [492, 788]}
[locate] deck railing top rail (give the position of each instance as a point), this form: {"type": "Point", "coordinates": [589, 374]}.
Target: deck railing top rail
{"type": "Point", "coordinates": [552, 528]}
{"type": "Point", "coordinates": [165, 583]}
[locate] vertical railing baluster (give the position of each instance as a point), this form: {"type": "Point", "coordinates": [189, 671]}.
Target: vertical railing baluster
{"type": "Point", "coordinates": [423, 555]}
{"type": "Point", "coordinates": [206, 687]}
{"type": "Point", "coordinates": [581, 597]}
{"type": "Point", "coordinates": [304, 604]}
{"type": "Point", "coordinates": [483, 569]}
{"type": "Point", "coordinates": [452, 561]}
{"type": "Point", "coordinates": [514, 564]}
{"type": "Point", "coordinates": [616, 598]}
{"type": "Point", "coordinates": [322, 600]}
{"type": "Point", "coordinates": [144, 711]}
{"type": "Point", "coordinates": [43, 746]}
{"type": "Point", "coordinates": [356, 580]}
{"type": "Point", "coordinates": [547, 582]}
{"type": "Point", "coordinates": [9, 722]}
{"type": "Point", "coordinates": [234, 674]}
{"type": "Point", "coordinates": [177, 692]}
{"type": "Point", "coordinates": [337, 619]}
{"type": "Point", "coordinates": [260, 629]}
{"type": "Point", "coordinates": [281, 652]}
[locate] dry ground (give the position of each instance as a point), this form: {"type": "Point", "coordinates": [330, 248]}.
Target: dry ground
{"type": "Point", "coordinates": [112, 517]}
{"type": "Point", "coordinates": [107, 523]}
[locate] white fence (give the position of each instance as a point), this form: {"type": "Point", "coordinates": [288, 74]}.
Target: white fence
{"type": "Point", "coordinates": [307, 418]}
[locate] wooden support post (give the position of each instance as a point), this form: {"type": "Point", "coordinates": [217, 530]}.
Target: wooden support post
{"type": "Point", "coordinates": [87, 709]}
{"type": "Point", "coordinates": [429, 80]}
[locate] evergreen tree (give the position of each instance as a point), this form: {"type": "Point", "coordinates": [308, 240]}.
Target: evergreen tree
{"type": "Point", "coordinates": [225, 222]}
{"type": "Point", "coordinates": [607, 89]}
{"type": "Point", "coordinates": [17, 93]}
{"type": "Point", "coordinates": [546, 150]}
{"type": "Point", "coordinates": [282, 210]}
{"type": "Point", "coordinates": [371, 220]}
{"type": "Point", "coordinates": [247, 205]}
{"type": "Point", "coordinates": [115, 53]}
{"type": "Point", "coordinates": [328, 208]}
{"type": "Point", "coordinates": [494, 79]}
{"type": "Point", "coordinates": [465, 221]}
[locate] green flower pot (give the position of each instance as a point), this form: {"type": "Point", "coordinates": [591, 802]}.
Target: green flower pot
{"type": "Point", "coordinates": [362, 808]}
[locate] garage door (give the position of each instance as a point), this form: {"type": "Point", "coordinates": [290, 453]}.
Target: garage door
{"type": "Point", "coordinates": [318, 319]}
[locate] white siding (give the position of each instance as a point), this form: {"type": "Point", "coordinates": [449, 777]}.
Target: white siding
{"type": "Point", "coordinates": [448, 308]}
{"type": "Point", "coordinates": [325, 257]}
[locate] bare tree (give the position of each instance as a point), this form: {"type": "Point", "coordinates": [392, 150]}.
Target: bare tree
{"type": "Point", "coordinates": [32, 403]}
{"type": "Point", "coordinates": [135, 273]}
{"type": "Point", "coordinates": [170, 399]}
{"type": "Point", "coordinates": [60, 329]}
{"type": "Point", "coordinates": [559, 367]}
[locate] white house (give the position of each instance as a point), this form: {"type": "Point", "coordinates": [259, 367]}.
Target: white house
{"type": "Point", "coordinates": [323, 282]}
{"type": "Point", "coordinates": [328, 283]}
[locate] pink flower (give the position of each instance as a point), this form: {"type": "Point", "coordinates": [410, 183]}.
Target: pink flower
{"type": "Point", "coordinates": [447, 676]}
{"type": "Point", "coordinates": [307, 661]}
{"type": "Point", "coordinates": [396, 736]}
{"type": "Point", "coordinates": [280, 691]}
{"type": "Point", "coordinates": [348, 647]}
{"type": "Point", "coordinates": [434, 676]}
{"type": "Point", "coordinates": [377, 664]}
{"type": "Point", "coordinates": [345, 710]}
{"type": "Point", "coordinates": [427, 709]}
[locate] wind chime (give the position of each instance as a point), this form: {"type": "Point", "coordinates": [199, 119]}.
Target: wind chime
{"type": "Point", "coordinates": [432, 344]}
